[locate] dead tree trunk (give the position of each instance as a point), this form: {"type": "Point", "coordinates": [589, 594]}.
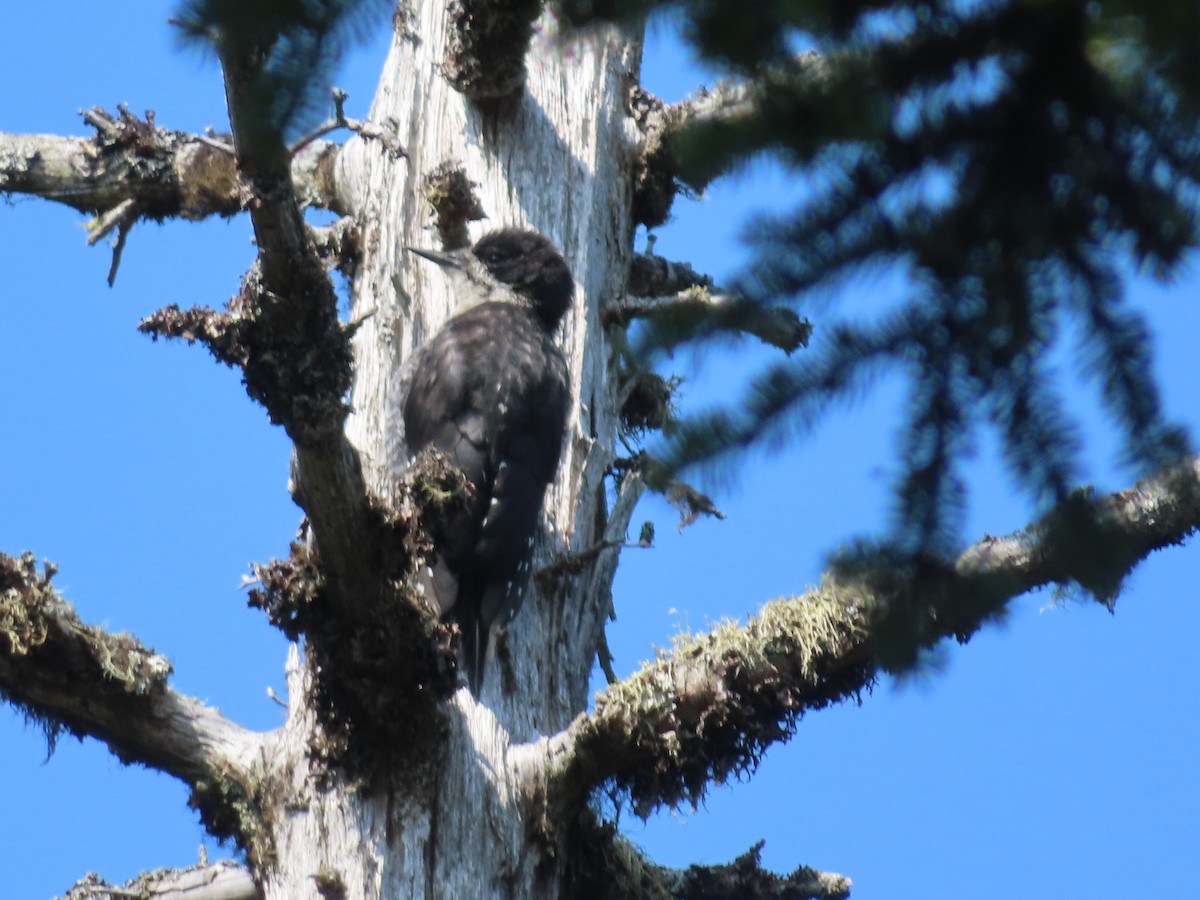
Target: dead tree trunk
{"type": "Point", "coordinates": [556, 156]}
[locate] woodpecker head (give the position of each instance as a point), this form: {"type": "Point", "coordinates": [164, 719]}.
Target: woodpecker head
{"type": "Point", "coordinates": [512, 264]}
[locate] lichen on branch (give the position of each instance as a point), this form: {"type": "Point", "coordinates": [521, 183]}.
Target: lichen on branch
{"type": "Point", "coordinates": [69, 676]}
{"type": "Point", "coordinates": [707, 709]}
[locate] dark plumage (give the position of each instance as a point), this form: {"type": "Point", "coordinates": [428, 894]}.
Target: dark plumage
{"type": "Point", "coordinates": [491, 392]}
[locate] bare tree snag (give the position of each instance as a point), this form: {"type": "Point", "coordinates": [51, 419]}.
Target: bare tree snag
{"type": "Point", "coordinates": [386, 780]}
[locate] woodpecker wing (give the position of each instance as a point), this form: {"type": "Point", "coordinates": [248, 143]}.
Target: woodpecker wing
{"type": "Point", "coordinates": [442, 411]}
{"type": "Point", "coordinates": [490, 390]}
{"type": "Point", "coordinates": [524, 458]}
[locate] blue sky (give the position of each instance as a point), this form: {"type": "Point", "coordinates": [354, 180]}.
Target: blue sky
{"type": "Point", "coordinates": [1050, 757]}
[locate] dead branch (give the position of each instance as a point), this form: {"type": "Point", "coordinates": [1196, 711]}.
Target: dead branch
{"type": "Point", "coordinates": [606, 866]}
{"type": "Point", "coordinates": [75, 677]}
{"type": "Point", "coordinates": [178, 175]}
{"type": "Point", "coordinates": [657, 178]}
{"type": "Point", "coordinates": [708, 709]}
{"type": "Point", "coordinates": [297, 354]}
{"type": "Point", "coordinates": [367, 130]}
{"type": "Point", "coordinates": [654, 182]}
{"type": "Point", "coordinates": [697, 308]}
{"type": "Point", "coordinates": [653, 276]}
{"type": "Point", "coordinates": [732, 100]}
{"type": "Point", "coordinates": [686, 301]}
{"type": "Point", "coordinates": [340, 245]}
{"type": "Point", "coordinates": [224, 880]}
{"type": "Point", "coordinates": [746, 877]}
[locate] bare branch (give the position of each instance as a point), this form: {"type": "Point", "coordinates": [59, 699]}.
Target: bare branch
{"type": "Point", "coordinates": [731, 100]}
{"type": "Point", "coordinates": [123, 214]}
{"type": "Point", "coordinates": [656, 171]}
{"type": "Point", "coordinates": [297, 355]}
{"type": "Point", "coordinates": [364, 129]}
{"type": "Point", "coordinates": [775, 325]}
{"type": "Point", "coordinates": [216, 330]}
{"type": "Point", "coordinates": [654, 183]}
{"type": "Point", "coordinates": [651, 275]}
{"type": "Point", "coordinates": [616, 532]}
{"type": "Point", "coordinates": [746, 877]}
{"type": "Point", "coordinates": [224, 880]}
{"type": "Point", "coordinates": [121, 217]}
{"type": "Point", "coordinates": [606, 866]}
{"type": "Point", "coordinates": [180, 175]}
{"type": "Point", "coordinates": [708, 709]}
{"type": "Point", "coordinates": [676, 294]}
{"type": "Point", "coordinates": [340, 245]}
{"type": "Point", "coordinates": [66, 674]}
{"type": "Point", "coordinates": [614, 538]}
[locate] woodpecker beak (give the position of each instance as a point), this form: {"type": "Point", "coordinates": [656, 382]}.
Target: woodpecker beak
{"type": "Point", "coordinates": [442, 258]}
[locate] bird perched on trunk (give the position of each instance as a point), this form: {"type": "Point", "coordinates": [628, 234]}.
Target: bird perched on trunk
{"type": "Point", "coordinates": [491, 392]}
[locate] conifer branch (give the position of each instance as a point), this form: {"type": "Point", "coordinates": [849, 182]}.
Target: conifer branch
{"type": "Point", "coordinates": [66, 675]}
{"type": "Point", "coordinates": [707, 710]}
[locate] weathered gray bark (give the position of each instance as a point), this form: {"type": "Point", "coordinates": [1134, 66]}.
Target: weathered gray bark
{"type": "Point", "coordinates": [556, 158]}
{"type": "Point", "coordinates": [569, 130]}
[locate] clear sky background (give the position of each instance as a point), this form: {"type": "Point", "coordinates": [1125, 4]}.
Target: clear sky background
{"type": "Point", "coordinates": [1052, 757]}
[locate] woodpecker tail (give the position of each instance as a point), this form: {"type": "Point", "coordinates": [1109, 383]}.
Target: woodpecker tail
{"type": "Point", "coordinates": [474, 652]}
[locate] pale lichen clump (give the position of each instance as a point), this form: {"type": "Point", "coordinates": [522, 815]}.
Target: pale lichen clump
{"type": "Point", "coordinates": [709, 708]}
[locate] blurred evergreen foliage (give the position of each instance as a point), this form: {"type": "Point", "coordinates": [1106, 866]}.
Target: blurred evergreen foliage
{"type": "Point", "coordinates": [1014, 158]}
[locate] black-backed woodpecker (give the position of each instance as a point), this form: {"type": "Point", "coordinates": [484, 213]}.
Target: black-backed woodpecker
{"type": "Point", "coordinates": [491, 391]}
